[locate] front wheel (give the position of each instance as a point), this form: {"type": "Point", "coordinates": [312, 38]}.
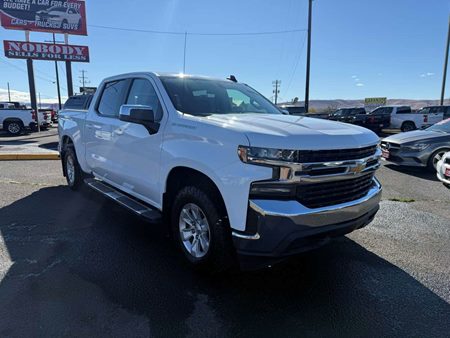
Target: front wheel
{"type": "Point", "coordinates": [72, 170]}
{"type": "Point", "coordinates": [200, 231]}
{"type": "Point", "coordinates": [435, 158]}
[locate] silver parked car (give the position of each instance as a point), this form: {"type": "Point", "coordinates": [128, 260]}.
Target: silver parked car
{"type": "Point", "coordinates": [419, 148]}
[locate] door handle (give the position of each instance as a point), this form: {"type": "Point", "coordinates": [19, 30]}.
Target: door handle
{"type": "Point", "coordinates": [93, 126]}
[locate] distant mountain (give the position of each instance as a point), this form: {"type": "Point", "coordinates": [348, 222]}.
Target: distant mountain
{"type": "Point", "coordinates": [324, 105]}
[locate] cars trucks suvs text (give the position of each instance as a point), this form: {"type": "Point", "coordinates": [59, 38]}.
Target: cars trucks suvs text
{"type": "Point", "coordinates": [225, 170]}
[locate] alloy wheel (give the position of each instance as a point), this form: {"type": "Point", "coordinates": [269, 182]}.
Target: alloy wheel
{"type": "Point", "coordinates": [194, 230]}
{"type": "Point", "coordinates": [14, 128]}
{"type": "Point", "coordinates": [70, 170]}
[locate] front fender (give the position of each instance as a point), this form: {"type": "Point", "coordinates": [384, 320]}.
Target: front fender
{"type": "Point", "coordinates": [215, 157]}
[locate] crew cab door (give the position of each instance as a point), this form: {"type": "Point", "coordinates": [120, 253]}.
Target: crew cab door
{"type": "Point", "coordinates": [98, 128]}
{"type": "Point", "coordinates": [136, 155]}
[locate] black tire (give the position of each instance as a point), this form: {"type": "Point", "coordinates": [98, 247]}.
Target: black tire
{"type": "Point", "coordinates": [408, 126]}
{"type": "Point", "coordinates": [220, 255]}
{"type": "Point", "coordinates": [431, 163]}
{"type": "Point", "coordinates": [64, 22]}
{"type": "Point", "coordinates": [14, 127]}
{"type": "Point", "coordinates": [74, 182]}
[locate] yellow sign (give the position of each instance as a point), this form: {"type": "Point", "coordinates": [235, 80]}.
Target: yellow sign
{"type": "Point", "coordinates": [375, 101]}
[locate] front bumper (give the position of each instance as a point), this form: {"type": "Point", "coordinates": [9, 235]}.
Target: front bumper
{"type": "Point", "coordinates": [408, 158]}
{"type": "Point", "coordinates": [283, 228]}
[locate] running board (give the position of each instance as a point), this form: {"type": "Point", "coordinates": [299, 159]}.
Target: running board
{"type": "Point", "coordinates": [150, 214]}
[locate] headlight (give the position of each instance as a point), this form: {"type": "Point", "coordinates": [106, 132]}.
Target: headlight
{"type": "Point", "coordinates": [265, 155]}
{"type": "Point", "coordinates": [416, 146]}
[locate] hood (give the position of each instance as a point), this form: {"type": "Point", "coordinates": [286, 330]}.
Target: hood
{"type": "Point", "coordinates": [295, 132]}
{"type": "Point", "coordinates": [416, 135]}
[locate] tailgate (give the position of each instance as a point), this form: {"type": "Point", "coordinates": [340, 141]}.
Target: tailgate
{"type": "Point", "coordinates": [45, 117]}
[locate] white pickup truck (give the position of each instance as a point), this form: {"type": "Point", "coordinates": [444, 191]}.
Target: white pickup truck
{"type": "Point", "coordinates": [224, 169]}
{"type": "Point", "coordinates": [14, 120]}
{"type": "Point", "coordinates": [403, 118]}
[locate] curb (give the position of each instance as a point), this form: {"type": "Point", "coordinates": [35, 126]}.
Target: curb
{"type": "Point", "coordinates": [24, 157]}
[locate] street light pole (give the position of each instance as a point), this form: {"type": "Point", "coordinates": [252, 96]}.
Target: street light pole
{"type": "Point", "coordinates": [444, 76]}
{"type": "Point", "coordinates": [308, 56]}
{"type": "Point", "coordinates": [9, 93]}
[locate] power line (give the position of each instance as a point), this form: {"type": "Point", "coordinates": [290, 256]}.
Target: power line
{"type": "Point", "coordinates": [296, 65]}
{"type": "Point", "coordinates": [24, 71]}
{"type": "Point", "coordinates": [198, 33]}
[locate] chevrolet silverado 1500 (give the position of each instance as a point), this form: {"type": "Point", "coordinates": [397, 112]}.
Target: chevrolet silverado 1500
{"type": "Point", "coordinates": [15, 120]}
{"type": "Point", "coordinates": [224, 169]}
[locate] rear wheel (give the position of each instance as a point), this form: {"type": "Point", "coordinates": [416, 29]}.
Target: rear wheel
{"type": "Point", "coordinates": [14, 127]}
{"type": "Point", "coordinates": [435, 158]}
{"type": "Point", "coordinates": [72, 170]}
{"type": "Point", "coordinates": [408, 126]}
{"type": "Point", "coordinates": [199, 230]}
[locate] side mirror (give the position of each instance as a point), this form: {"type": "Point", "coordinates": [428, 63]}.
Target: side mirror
{"type": "Point", "coordinates": [139, 114]}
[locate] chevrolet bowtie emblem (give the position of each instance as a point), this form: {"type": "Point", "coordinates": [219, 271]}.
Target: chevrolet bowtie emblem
{"type": "Point", "coordinates": [358, 168]}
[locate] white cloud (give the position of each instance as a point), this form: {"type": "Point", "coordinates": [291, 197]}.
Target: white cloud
{"type": "Point", "coordinates": [354, 76]}
{"type": "Point", "coordinates": [426, 74]}
{"type": "Point", "coordinates": [430, 74]}
{"type": "Point", "coordinates": [24, 97]}
{"type": "Point", "coordinates": [356, 79]}
{"type": "Point", "coordinates": [359, 84]}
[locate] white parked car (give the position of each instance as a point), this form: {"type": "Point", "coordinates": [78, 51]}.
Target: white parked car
{"type": "Point", "coordinates": [14, 121]}
{"type": "Point", "coordinates": [443, 169]}
{"type": "Point", "coordinates": [404, 119]}
{"type": "Point", "coordinates": [229, 172]}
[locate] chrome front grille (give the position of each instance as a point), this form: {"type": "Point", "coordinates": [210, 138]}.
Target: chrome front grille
{"type": "Point", "coordinates": [332, 177]}
{"type": "Point", "coordinates": [314, 156]}
{"type": "Point", "coordinates": [323, 194]}
{"type": "Point", "coordinates": [389, 146]}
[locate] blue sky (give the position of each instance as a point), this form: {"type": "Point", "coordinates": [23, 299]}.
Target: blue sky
{"type": "Point", "coordinates": [360, 48]}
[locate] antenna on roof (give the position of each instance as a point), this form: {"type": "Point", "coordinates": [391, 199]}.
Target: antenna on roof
{"type": "Point", "coordinates": [232, 78]}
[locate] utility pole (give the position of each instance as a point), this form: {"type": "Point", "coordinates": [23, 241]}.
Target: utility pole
{"type": "Point", "coordinates": [68, 70]}
{"type": "Point", "coordinates": [444, 76]}
{"type": "Point", "coordinates": [276, 91]}
{"type": "Point", "coordinates": [83, 78]}
{"type": "Point", "coordinates": [184, 54]}
{"type": "Point", "coordinates": [57, 78]}
{"type": "Point", "coordinates": [9, 93]}
{"type": "Point", "coordinates": [40, 105]}
{"type": "Point", "coordinates": [308, 56]}
{"type": "Point", "coordinates": [32, 85]}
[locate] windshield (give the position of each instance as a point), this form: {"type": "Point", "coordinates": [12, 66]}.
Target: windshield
{"type": "Point", "coordinates": [443, 126]}
{"type": "Point", "coordinates": [204, 97]}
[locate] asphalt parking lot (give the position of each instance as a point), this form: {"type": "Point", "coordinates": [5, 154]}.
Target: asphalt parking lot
{"type": "Point", "coordinates": [76, 264]}
{"type": "Point", "coordinates": [46, 139]}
